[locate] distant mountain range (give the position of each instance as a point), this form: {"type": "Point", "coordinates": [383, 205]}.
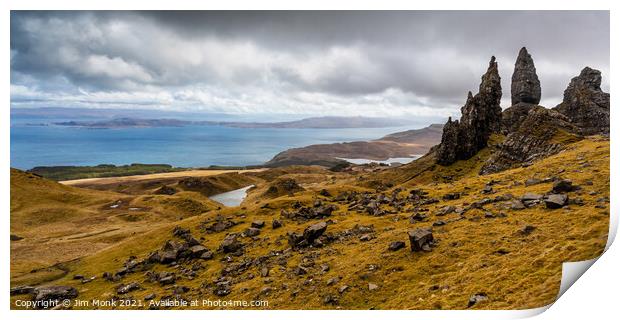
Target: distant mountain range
{"type": "Point", "coordinates": [307, 123]}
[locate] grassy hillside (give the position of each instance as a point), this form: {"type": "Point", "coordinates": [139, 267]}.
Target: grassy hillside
{"type": "Point", "coordinates": [483, 247]}
{"type": "Point", "coordinates": [52, 223]}
{"type": "Point", "coordinates": [59, 173]}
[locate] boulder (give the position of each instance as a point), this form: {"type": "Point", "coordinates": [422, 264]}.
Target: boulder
{"type": "Point", "coordinates": [53, 293]}
{"type": "Point", "coordinates": [231, 244]}
{"type": "Point", "coordinates": [476, 298]}
{"type": "Point", "coordinates": [526, 230]}
{"type": "Point", "coordinates": [251, 232]}
{"type": "Point", "coordinates": [258, 224]}
{"type": "Point", "coordinates": [451, 196]}
{"type": "Point", "coordinates": [275, 224]}
{"type": "Point", "coordinates": [396, 245]}
{"type": "Point", "coordinates": [556, 201]}
{"type": "Point", "coordinates": [420, 239]}
{"type": "Point", "coordinates": [563, 185]}
{"type": "Point", "coordinates": [197, 251]}
{"type": "Point", "coordinates": [309, 236]}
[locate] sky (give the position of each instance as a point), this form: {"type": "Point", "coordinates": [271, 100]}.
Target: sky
{"type": "Point", "coordinates": [364, 63]}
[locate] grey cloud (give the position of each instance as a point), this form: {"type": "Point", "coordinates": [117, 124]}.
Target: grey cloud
{"type": "Point", "coordinates": [245, 61]}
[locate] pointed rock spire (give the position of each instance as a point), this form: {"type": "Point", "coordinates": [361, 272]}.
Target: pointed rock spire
{"type": "Point", "coordinates": [525, 86]}
{"type": "Point", "coordinates": [480, 116]}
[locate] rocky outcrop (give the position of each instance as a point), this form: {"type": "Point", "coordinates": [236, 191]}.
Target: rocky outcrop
{"type": "Point", "coordinates": [543, 132]}
{"type": "Point", "coordinates": [513, 117]}
{"type": "Point", "coordinates": [525, 87]}
{"type": "Point", "coordinates": [480, 116]}
{"type": "Point", "coordinates": [585, 104]}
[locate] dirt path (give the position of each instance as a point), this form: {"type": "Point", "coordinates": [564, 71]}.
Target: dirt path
{"type": "Point", "coordinates": [189, 173]}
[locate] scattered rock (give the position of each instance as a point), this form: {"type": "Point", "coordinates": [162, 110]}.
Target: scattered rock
{"type": "Point", "coordinates": [451, 196]}
{"type": "Point", "coordinates": [330, 299]}
{"type": "Point", "coordinates": [258, 224]}
{"type": "Point", "coordinates": [123, 289]}
{"type": "Point", "coordinates": [562, 186]}
{"type": "Point", "coordinates": [517, 205]}
{"type": "Point", "coordinates": [527, 230]}
{"type": "Point", "coordinates": [264, 272]}
{"type": "Point", "coordinates": [45, 295]}
{"type": "Point", "coordinates": [372, 287]}
{"type": "Point", "coordinates": [231, 244]}
{"type": "Point", "coordinates": [219, 225]}
{"type": "Point", "coordinates": [555, 201]}
{"type": "Point", "coordinates": [532, 181]}
{"type": "Point", "coordinates": [445, 210]}
{"type": "Point", "coordinates": [22, 290]}
{"type": "Point", "coordinates": [309, 236]}
{"type": "Point", "coordinates": [251, 232]}
{"type": "Point", "coordinates": [487, 189]}
{"type": "Point", "coordinates": [477, 298]}
{"type": "Point", "coordinates": [529, 199]}
{"type": "Point", "coordinates": [275, 224]}
{"type": "Point", "coordinates": [420, 239]}
{"type": "Point", "coordinates": [396, 245]}
{"type": "Point", "coordinates": [299, 271]}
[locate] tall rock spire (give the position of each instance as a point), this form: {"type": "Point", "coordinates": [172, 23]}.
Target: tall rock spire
{"type": "Point", "coordinates": [525, 86]}
{"type": "Point", "coordinates": [480, 116]}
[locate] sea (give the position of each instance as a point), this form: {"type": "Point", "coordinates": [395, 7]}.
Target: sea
{"type": "Point", "coordinates": [37, 142]}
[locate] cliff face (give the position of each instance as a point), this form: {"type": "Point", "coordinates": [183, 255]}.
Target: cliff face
{"type": "Point", "coordinates": [585, 104]}
{"type": "Point", "coordinates": [532, 131]}
{"type": "Point", "coordinates": [480, 116]}
{"type": "Point", "coordinates": [541, 133]}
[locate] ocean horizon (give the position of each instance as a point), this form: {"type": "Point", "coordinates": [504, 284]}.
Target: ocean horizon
{"type": "Point", "coordinates": [187, 146]}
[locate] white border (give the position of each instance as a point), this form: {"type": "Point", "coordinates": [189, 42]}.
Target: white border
{"type": "Point", "coordinates": [595, 295]}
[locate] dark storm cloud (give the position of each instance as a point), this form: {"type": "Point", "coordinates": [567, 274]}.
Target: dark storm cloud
{"type": "Point", "coordinates": [413, 62]}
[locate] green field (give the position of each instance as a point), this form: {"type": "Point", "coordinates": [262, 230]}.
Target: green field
{"type": "Point", "coordinates": [60, 173]}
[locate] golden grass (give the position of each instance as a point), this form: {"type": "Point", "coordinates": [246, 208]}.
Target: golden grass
{"type": "Point", "coordinates": [464, 262]}
{"type": "Point", "coordinates": [154, 176]}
